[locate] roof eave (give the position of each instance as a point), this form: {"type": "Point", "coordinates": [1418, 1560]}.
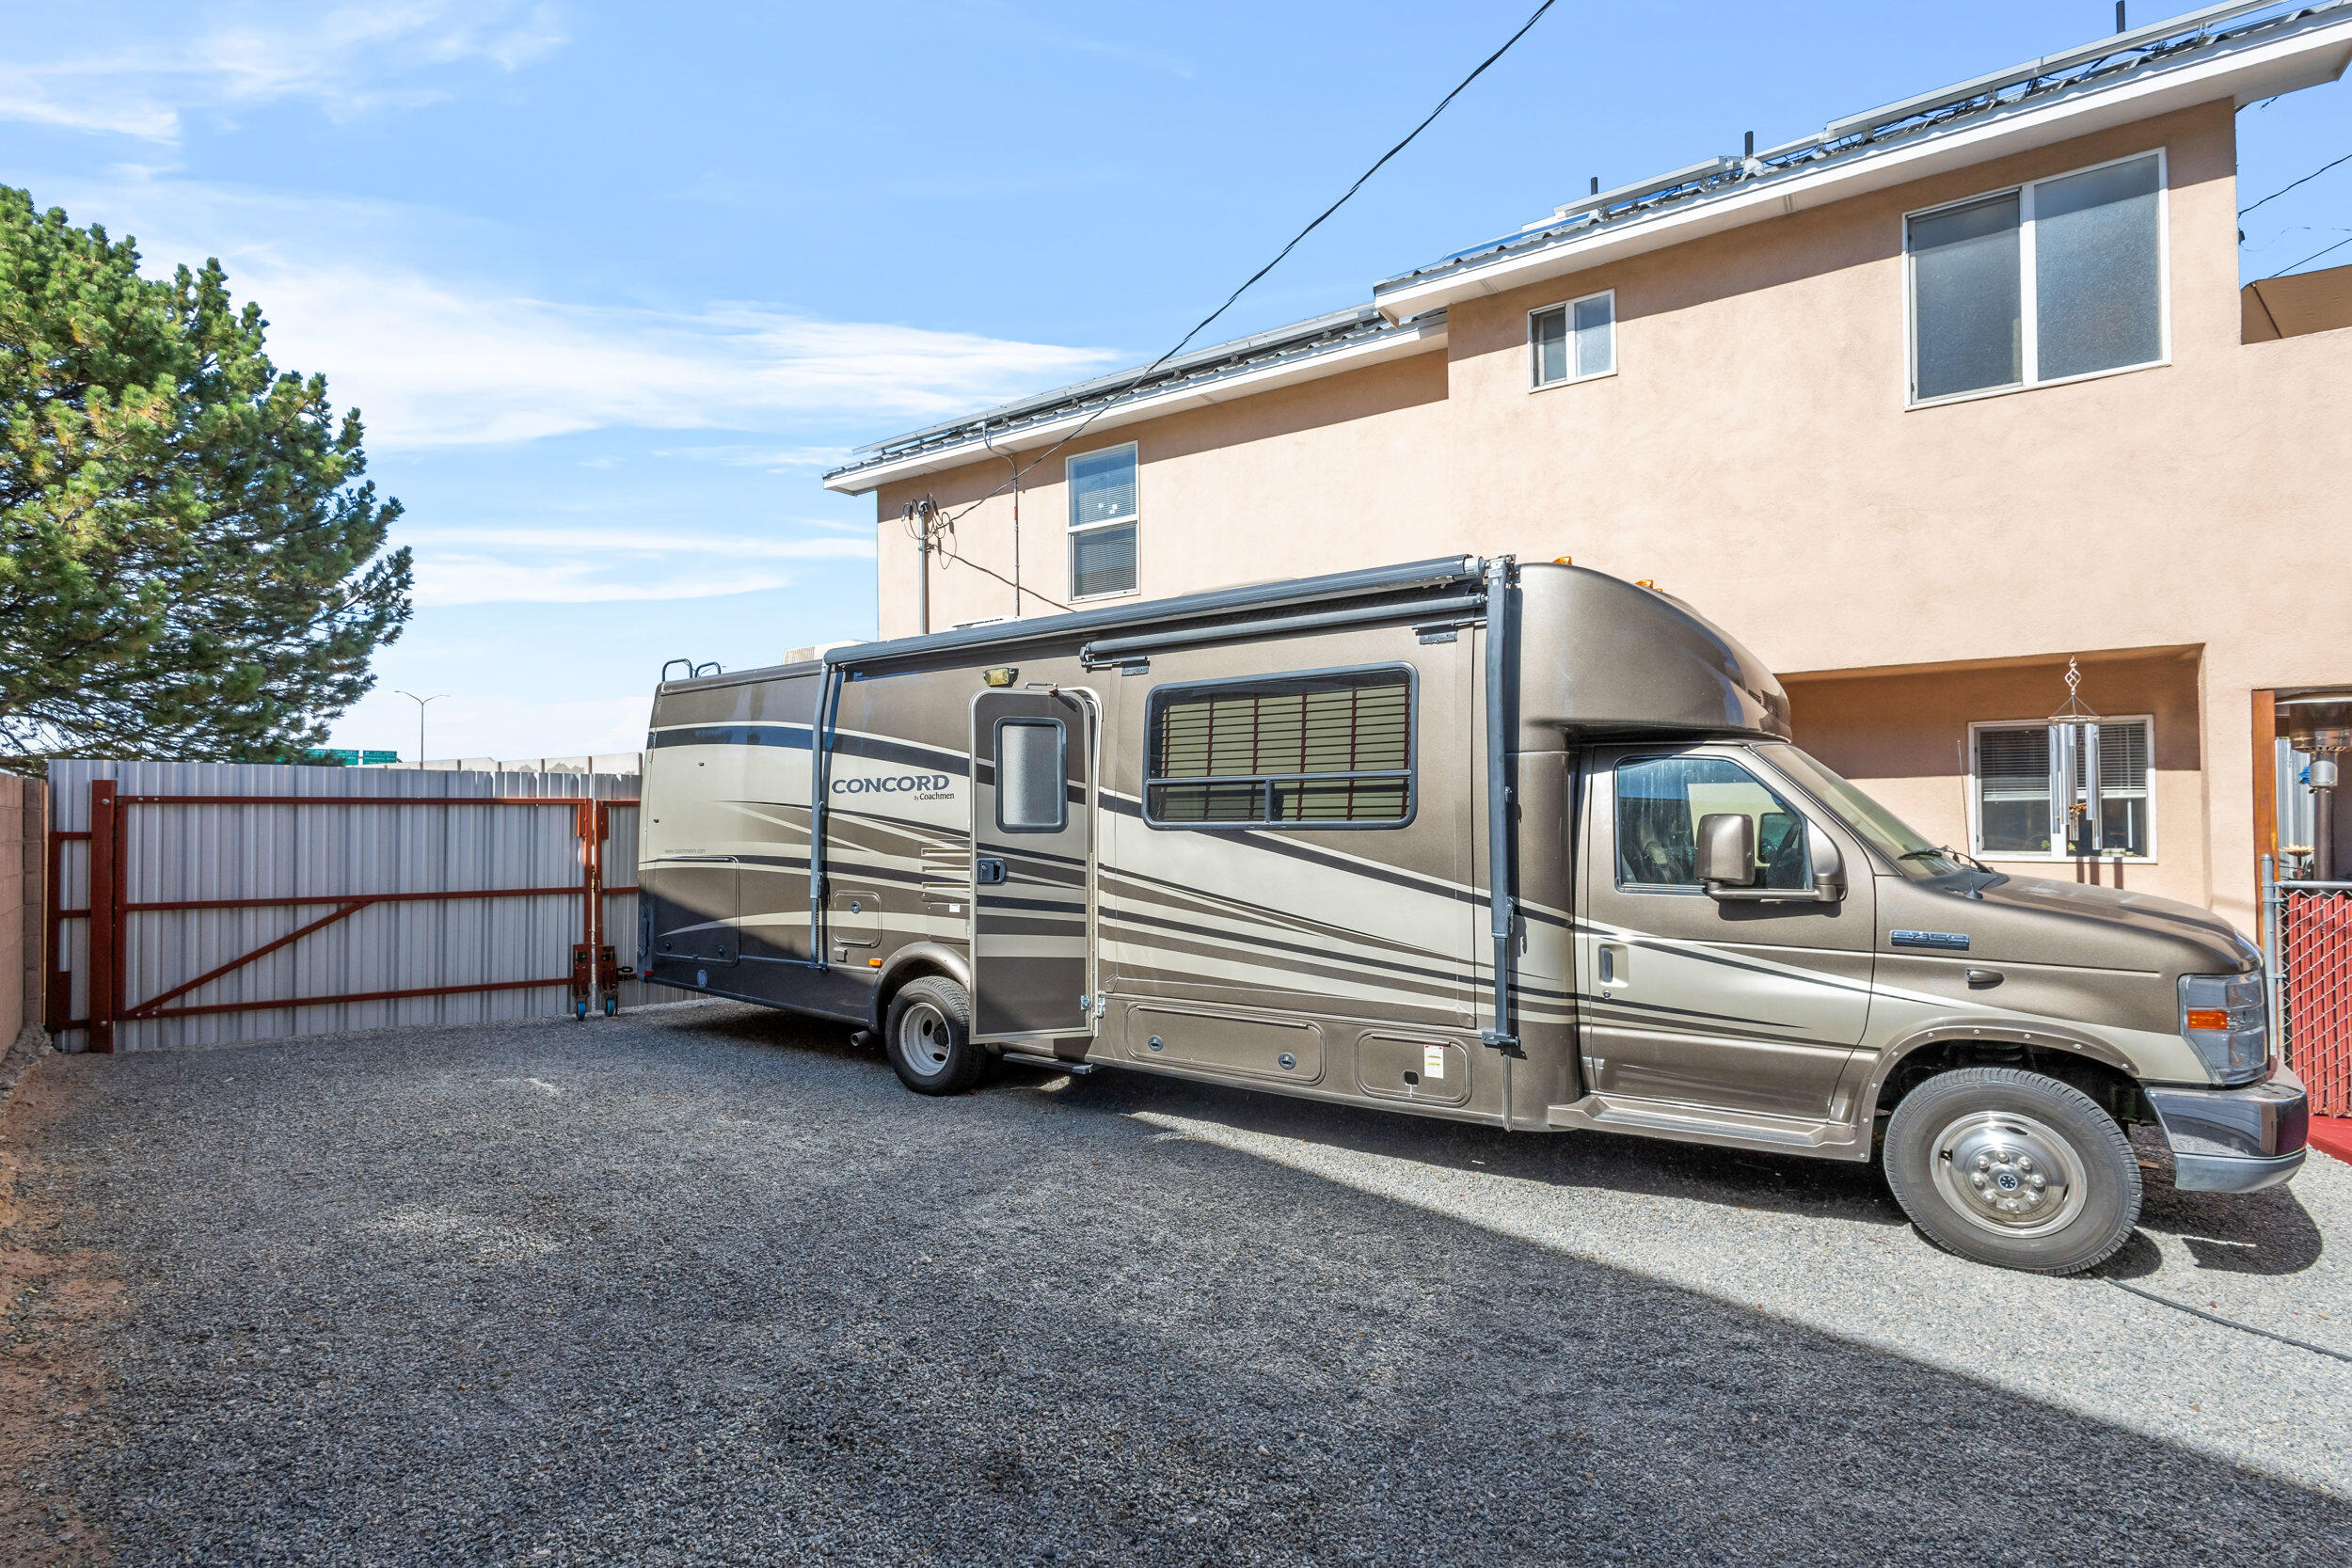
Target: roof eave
{"type": "Point", "coordinates": [2261, 69]}
{"type": "Point", "coordinates": [1418, 338]}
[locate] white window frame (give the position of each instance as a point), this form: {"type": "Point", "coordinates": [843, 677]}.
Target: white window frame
{"type": "Point", "coordinates": [2029, 300]}
{"type": "Point", "coordinates": [1133, 519]}
{"type": "Point", "coordinates": [1976, 795]}
{"type": "Point", "coordinates": [1569, 306]}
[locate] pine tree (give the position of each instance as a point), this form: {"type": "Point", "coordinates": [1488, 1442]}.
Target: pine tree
{"type": "Point", "coordinates": [188, 553]}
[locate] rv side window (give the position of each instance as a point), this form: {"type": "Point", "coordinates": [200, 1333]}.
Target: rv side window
{"type": "Point", "coordinates": [1331, 749]}
{"type": "Point", "coordinates": [1660, 802]}
{"type": "Point", "coordinates": [1032, 762]}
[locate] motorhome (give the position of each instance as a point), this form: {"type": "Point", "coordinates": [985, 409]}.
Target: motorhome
{"type": "Point", "coordinates": [1520, 844]}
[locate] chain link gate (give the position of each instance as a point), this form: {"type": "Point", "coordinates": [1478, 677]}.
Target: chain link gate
{"type": "Point", "coordinates": [2308, 930]}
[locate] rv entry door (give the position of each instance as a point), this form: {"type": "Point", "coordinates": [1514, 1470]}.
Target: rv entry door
{"type": "Point", "coordinates": [1032, 864]}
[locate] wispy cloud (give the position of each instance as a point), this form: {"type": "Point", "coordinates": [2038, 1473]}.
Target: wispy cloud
{"type": "Point", "coordinates": [522, 564]}
{"type": "Point", "coordinates": [464, 579]}
{"type": "Point", "coordinates": [435, 360]}
{"type": "Point", "coordinates": [348, 61]}
{"type": "Point", "coordinates": [654, 539]}
{"type": "Point", "coordinates": [757, 455]}
{"type": "Point", "coordinates": [433, 363]}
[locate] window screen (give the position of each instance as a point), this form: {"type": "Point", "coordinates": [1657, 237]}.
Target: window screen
{"type": "Point", "coordinates": [1103, 487]}
{"type": "Point", "coordinates": [2093, 290]}
{"type": "Point", "coordinates": [2013, 790]}
{"type": "Point", "coordinates": [1596, 335]}
{"type": "Point", "coordinates": [1328, 750]}
{"type": "Point", "coordinates": [1030, 770]}
{"type": "Point", "coordinates": [1571, 341]}
{"type": "Point", "coordinates": [1102, 523]}
{"type": "Point", "coordinates": [1102, 561]}
{"type": "Point", "coordinates": [2017, 811]}
{"type": "Point", "coordinates": [2097, 297]}
{"type": "Point", "coordinates": [1965, 298]}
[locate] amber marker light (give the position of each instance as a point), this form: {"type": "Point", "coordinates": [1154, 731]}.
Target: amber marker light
{"type": "Point", "coordinates": [1650, 583]}
{"type": "Point", "coordinates": [873, 963]}
{"type": "Point", "coordinates": [1004, 674]}
{"type": "Point", "coordinates": [2209, 1018]}
{"type": "Point", "coordinates": [1564, 561]}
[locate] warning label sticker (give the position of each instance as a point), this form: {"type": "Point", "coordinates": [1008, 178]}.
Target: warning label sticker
{"type": "Point", "coordinates": [1433, 1061]}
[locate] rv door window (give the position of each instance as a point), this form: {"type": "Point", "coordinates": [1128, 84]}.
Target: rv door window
{"type": "Point", "coordinates": [1660, 802]}
{"type": "Point", "coordinates": [1032, 763]}
{"type": "Point", "coordinates": [1332, 749]}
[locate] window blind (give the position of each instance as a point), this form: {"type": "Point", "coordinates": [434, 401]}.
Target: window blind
{"type": "Point", "coordinates": [1311, 749]}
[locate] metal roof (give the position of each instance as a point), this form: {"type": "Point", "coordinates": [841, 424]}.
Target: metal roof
{"type": "Point", "coordinates": [1320, 334]}
{"type": "Point", "coordinates": [2108, 62]}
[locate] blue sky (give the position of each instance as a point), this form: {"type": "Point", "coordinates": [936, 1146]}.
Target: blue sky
{"type": "Point", "coordinates": [613, 283]}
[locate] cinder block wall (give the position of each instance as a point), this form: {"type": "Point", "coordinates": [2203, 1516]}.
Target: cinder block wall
{"type": "Point", "coordinates": [23, 818]}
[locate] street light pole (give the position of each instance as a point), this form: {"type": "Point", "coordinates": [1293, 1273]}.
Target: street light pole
{"type": "Point", "coordinates": [421, 702]}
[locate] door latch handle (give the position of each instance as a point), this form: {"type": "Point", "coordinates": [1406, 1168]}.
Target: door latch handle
{"type": "Point", "coordinates": [988, 871]}
{"type": "Point", "coordinates": [1982, 978]}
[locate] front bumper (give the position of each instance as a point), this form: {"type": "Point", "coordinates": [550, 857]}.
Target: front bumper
{"type": "Point", "coordinates": [2236, 1140]}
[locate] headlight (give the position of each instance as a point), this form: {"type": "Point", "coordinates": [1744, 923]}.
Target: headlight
{"type": "Point", "coordinates": [2223, 1016]}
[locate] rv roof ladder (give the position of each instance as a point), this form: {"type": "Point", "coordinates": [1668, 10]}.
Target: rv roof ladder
{"type": "Point", "coordinates": [1501, 908]}
{"type": "Point", "coordinates": [819, 782]}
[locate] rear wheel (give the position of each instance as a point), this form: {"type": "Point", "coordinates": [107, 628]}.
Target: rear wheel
{"type": "Point", "coordinates": [929, 1038]}
{"type": "Point", "coordinates": [2014, 1169]}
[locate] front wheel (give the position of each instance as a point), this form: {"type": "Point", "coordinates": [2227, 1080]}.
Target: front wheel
{"type": "Point", "coordinates": [2014, 1169]}
{"type": "Point", "coordinates": [929, 1038]}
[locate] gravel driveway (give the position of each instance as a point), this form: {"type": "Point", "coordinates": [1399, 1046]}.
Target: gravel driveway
{"type": "Point", "coordinates": [703, 1285]}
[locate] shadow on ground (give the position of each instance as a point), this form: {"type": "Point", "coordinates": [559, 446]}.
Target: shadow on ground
{"type": "Point", "coordinates": [704, 1288]}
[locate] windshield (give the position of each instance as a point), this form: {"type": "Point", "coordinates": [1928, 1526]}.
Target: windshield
{"type": "Point", "coordinates": [1890, 836]}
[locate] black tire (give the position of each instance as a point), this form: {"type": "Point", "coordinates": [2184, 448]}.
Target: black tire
{"type": "Point", "coordinates": [2014, 1169]}
{"type": "Point", "coordinates": [927, 1037]}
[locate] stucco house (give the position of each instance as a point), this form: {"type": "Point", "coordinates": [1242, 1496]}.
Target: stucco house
{"type": "Point", "coordinates": [1924, 409]}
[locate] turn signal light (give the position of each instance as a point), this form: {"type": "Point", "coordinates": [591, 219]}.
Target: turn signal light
{"type": "Point", "coordinates": [2216, 1019]}
{"type": "Point", "coordinates": [1646, 582]}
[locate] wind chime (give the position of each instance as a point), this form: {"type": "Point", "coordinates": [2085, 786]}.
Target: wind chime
{"type": "Point", "coordinates": [2074, 805]}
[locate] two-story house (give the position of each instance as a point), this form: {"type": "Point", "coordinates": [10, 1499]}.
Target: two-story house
{"type": "Point", "coordinates": [1923, 408]}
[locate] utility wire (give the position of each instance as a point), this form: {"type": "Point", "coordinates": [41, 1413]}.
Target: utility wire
{"type": "Point", "coordinates": [2312, 257]}
{"type": "Point", "coordinates": [1140, 376]}
{"type": "Point", "coordinates": [2227, 1323]}
{"type": "Point", "coordinates": [2305, 180]}
{"type": "Point", "coordinates": [948, 558]}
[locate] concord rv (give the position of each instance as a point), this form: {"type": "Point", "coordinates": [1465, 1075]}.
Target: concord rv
{"type": "Point", "coordinates": [1523, 845]}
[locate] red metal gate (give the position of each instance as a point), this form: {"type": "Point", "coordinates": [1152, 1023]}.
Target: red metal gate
{"type": "Point", "coordinates": [594, 976]}
{"type": "Point", "coordinates": [2313, 944]}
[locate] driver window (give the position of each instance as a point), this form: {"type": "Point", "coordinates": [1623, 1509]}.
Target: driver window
{"type": "Point", "coordinates": [1660, 802]}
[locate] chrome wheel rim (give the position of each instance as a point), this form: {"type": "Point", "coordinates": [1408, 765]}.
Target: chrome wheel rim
{"type": "Point", "coordinates": [923, 1038]}
{"type": "Point", "coordinates": [2010, 1174]}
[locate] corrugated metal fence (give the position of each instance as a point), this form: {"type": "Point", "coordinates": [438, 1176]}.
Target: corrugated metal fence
{"type": "Point", "coordinates": [204, 902]}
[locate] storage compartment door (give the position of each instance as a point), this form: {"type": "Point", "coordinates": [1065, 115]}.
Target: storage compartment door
{"type": "Point", "coordinates": [691, 910]}
{"type": "Point", "coordinates": [1032, 864]}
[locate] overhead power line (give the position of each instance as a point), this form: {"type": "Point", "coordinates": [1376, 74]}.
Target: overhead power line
{"type": "Point", "coordinates": [2291, 184]}
{"type": "Point", "coordinates": [1145, 374]}
{"type": "Point", "coordinates": [2312, 257]}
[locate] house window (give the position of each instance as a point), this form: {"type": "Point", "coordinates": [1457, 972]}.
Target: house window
{"type": "Point", "coordinates": [1575, 341]}
{"type": "Point", "coordinates": [1332, 750]}
{"type": "Point", "coordinates": [1102, 523]}
{"type": "Point", "coordinates": [2030, 779]}
{"type": "Point", "coordinates": [2055, 280]}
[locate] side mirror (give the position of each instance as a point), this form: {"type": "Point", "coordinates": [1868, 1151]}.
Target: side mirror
{"type": "Point", "coordinates": [1726, 849]}
{"type": "Point", "coordinates": [1829, 867]}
